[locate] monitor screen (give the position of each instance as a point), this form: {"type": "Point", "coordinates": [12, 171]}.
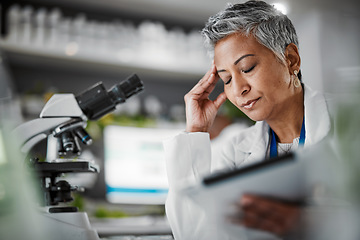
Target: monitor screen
{"type": "Point", "coordinates": [135, 171]}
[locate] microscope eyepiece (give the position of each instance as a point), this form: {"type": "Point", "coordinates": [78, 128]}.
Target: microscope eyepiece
{"type": "Point", "coordinates": [120, 92]}
{"type": "Point", "coordinates": [96, 101]}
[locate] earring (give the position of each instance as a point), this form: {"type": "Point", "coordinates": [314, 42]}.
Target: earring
{"type": "Point", "coordinates": [297, 82]}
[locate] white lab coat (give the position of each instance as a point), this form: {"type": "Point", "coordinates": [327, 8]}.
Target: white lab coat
{"type": "Point", "coordinates": [188, 158]}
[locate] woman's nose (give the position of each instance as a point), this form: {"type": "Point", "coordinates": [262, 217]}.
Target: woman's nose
{"type": "Point", "coordinates": [240, 86]}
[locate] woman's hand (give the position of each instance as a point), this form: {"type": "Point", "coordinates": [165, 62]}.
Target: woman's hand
{"type": "Point", "coordinates": [268, 214]}
{"type": "Point", "coordinates": [200, 110]}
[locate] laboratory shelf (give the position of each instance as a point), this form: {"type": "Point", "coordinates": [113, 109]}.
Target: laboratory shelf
{"type": "Point", "coordinates": [45, 57]}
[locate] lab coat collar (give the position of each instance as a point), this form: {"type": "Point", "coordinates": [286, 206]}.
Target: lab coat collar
{"type": "Point", "coordinates": [254, 144]}
{"type": "Point", "coordinates": [317, 118]}
{"type": "Point", "coordinates": [317, 126]}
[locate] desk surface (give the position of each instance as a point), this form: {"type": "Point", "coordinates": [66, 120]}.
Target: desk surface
{"type": "Point", "coordinates": [149, 237]}
{"type": "Point", "coordinates": [143, 227]}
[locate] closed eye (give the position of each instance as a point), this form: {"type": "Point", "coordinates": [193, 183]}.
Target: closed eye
{"type": "Point", "coordinates": [228, 81]}
{"type": "Point", "coordinates": [248, 70]}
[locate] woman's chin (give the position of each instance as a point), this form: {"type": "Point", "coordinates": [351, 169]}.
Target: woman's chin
{"type": "Point", "coordinates": [255, 117]}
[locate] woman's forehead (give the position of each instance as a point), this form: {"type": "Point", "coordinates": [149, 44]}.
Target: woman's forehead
{"type": "Point", "coordinates": [237, 44]}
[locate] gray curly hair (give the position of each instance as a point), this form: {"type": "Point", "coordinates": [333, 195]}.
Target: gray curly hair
{"type": "Point", "coordinates": [269, 26]}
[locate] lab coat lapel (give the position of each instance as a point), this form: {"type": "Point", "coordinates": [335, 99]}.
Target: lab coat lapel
{"type": "Point", "coordinates": [316, 112]}
{"type": "Point", "coordinates": [255, 145]}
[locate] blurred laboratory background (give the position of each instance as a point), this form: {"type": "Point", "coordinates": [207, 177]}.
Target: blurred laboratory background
{"type": "Point", "coordinates": [66, 46]}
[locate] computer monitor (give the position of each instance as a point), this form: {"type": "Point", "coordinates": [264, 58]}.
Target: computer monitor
{"type": "Point", "coordinates": [135, 171]}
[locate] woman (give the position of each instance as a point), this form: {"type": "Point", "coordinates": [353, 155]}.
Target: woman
{"type": "Point", "coordinates": [256, 55]}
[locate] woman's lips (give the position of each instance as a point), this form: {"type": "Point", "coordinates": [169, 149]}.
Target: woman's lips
{"type": "Point", "coordinates": [249, 104]}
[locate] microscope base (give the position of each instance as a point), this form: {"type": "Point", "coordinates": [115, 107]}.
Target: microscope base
{"type": "Point", "coordinates": [69, 225]}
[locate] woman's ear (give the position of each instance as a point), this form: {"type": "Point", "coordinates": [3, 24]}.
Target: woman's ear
{"type": "Point", "coordinates": [292, 57]}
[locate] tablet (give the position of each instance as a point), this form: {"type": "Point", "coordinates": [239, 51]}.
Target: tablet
{"type": "Point", "coordinates": [282, 178]}
{"type": "Point", "coordinates": [254, 168]}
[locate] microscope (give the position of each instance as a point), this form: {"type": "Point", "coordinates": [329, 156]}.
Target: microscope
{"type": "Point", "coordinates": [62, 123]}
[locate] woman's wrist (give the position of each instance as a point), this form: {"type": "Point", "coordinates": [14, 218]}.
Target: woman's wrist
{"type": "Point", "coordinates": [196, 129]}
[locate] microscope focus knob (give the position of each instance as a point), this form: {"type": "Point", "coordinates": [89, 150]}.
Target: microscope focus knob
{"type": "Point", "coordinates": [63, 192]}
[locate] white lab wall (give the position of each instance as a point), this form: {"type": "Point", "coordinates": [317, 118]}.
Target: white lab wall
{"type": "Point", "coordinates": [307, 27]}
{"type": "Point", "coordinates": [340, 49]}
{"type": "Point", "coordinates": [329, 36]}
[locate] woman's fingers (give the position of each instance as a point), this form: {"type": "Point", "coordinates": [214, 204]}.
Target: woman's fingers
{"type": "Point", "coordinates": [200, 110]}
{"type": "Point", "coordinates": [268, 214]}
{"type": "Point", "coordinates": [212, 70]}
{"type": "Point", "coordinates": [220, 100]}
{"type": "Point", "coordinates": [205, 86]}
{"type": "Point", "coordinates": [207, 75]}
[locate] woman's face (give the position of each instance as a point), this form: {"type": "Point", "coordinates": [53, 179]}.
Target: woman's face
{"type": "Point", "coordinates": [254, 78]}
